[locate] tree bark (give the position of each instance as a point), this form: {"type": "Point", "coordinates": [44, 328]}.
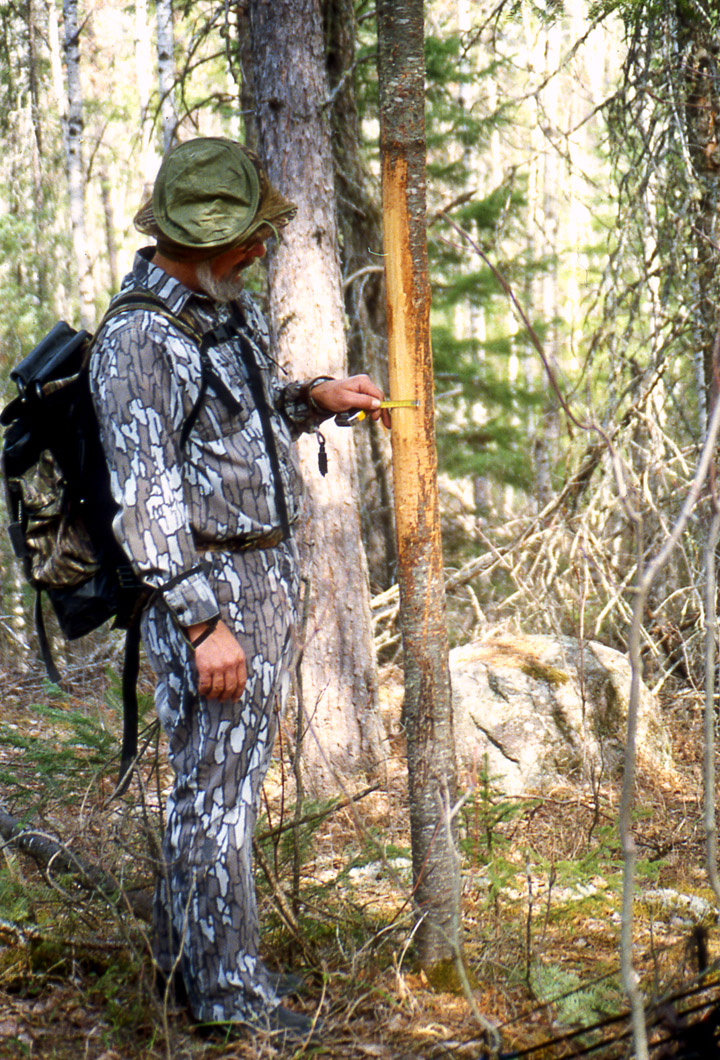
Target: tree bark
{"type": "Point", "coordinates": [73, 135]}
{"type": "Point", "coordinates": [37, 150]}
{"type": "Point", "coordinates": [166, 71]}
{"type": "Point", "coordinates": [698, 44]}
{"type": "Point", "coordinates": [360, 236]}
{"type": "Point", "coordinates": [338, 673]}
{"type": "Point", "coordinates": [246, 71]}
{"type": "Point", "coordinates": [147, 161]}
{"type": "Point", "coordinates": [428, 705]}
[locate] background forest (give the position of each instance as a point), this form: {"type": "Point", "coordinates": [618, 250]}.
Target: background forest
{"type": "Point", "coordinates": [561, 140]}
{"type": "Point", "coordinates": [573, 188]}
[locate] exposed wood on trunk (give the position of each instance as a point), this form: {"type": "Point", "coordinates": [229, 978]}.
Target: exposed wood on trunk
{"type": "Point", "coordinates": [428, 704]}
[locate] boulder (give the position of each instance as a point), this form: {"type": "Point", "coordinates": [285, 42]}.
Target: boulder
{"type": "Point", "coordinates": [544, 710]}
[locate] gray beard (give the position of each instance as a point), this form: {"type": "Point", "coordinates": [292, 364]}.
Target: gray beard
{"type": "Point", "coordinates": [222, 290]}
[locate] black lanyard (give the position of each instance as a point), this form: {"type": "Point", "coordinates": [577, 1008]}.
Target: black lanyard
{"type": "Point", "coordinates": [261, 403]}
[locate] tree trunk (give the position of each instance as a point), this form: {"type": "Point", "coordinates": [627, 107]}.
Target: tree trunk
{"type": "Point", "coordinates": [109, 218]}
{"type": "Point", "coordinates": [166, 71]}
{"type": "Point", "coordinates": [37, 149]}
{"type": "Point", "coordinates": [697, 43]}
{"type": "Point", "coordinates": [147, 160]}
{"type": "Point", "coordinates": [246, 71]}
{"type": "Point", "coordinates": [360, 235]}
{"type": "Point", "coordinates": [73, 135]}
{"type": "Point", "coordinates": [338, 673]}
{"type": "Point", "coordinates": [544, 49]}
{"type": "Point", "coordinates": [428, 703]}
{"type": "Point", "coordinates": [56, 61]}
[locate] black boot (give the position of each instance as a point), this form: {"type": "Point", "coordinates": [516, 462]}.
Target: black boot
{"type": "Point", "coordinates": [285, 983]}
{"type": "Point", "coordinates": [283, 1026]}
{"type": "Point", "coordinates": [177, 994]}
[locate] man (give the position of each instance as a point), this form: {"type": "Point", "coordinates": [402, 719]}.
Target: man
{"type": "Point", "coordinates": [199, 437]}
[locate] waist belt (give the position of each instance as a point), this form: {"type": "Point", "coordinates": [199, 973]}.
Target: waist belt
{"type": "Point", "coordinates": [242, 543]}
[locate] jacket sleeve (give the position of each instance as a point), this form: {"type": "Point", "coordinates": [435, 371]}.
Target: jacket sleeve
{"type": "Point", "coordinates": [140, 409]}
{"type": "Point", "coordinates": [294, 401]}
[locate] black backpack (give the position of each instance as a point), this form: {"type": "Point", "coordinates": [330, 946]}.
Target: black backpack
{"type": "Point", "coordinates": [59, 500]}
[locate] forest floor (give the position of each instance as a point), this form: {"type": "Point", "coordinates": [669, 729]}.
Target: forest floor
{"type": "Point", "coordinates": [541, 903]}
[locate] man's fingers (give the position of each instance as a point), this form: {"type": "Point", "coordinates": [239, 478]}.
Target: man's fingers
{"type": "Point", "coordinates": [221, 665]}
{"type": "Point", "coordinates": [235, 680]}
{"type": "Point", "coordinates": [338, 395]}
{"type": "Point", "coordinates": [240, 680]}
{"type": "Point", "coordinates": [363, 388]}
{"type": "Point", "coordinates": [233, 683]}
{"type": "Point", "coordinates": [360, 399]}
{"type": "Point", "coordinates": [217, 686]}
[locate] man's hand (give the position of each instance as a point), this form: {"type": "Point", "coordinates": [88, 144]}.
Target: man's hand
{"type": "Point", "coordinates": [220, 662]}
{"type": "Point", "coordinates": [357, 392]}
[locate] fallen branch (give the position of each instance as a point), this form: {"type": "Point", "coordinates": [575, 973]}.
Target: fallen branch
{"type": "Point", "coordinates": [54, 857]}
{"type": "Point", "coordinates": [12, 934]}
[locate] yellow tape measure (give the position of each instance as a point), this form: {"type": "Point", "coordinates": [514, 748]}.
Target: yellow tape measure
{"type": "Point", "coordinates": [353, 416]}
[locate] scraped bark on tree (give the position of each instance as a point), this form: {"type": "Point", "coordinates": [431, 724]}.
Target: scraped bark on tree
{"type": "Point", "coordinates": [427, 710]}
{"type": "Point", "coordinates": [338, 672]}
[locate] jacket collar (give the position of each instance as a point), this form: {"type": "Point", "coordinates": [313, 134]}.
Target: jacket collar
{"type": "Point", "coordinates": [151, 277]}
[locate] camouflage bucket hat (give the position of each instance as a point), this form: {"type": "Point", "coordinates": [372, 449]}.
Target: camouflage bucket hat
{"type": "Point", "coordinates": [210, 194]}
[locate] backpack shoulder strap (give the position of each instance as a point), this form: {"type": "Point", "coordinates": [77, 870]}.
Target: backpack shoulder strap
{"type": "Point", "coordinates": [204, 340]}
{"type": "Point", "coordinates": [143, 299]}
{"type": "Point", "coordinates": [258, 392]}
{"type": "Point", "coordinates": [130, 672]}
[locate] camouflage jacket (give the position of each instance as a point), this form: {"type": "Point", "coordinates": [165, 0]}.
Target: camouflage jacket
{"type": "Point", "coordinates": [176, 500]}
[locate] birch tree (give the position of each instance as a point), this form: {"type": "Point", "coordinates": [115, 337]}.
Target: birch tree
{"type": "Point", "coordinates": [338, 673]}
{"type": "Point", "coordinates": [166, 71]}
{"type": "Point", "coordinates": [73, 137]}
{"type": "Point", "coordinates": [143, 80]}
{"type": "Point", "coordinates": [37, 145]}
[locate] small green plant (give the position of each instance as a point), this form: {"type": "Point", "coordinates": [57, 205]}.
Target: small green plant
{"type": "Point", "coordinates": [55, 762]}
{"type": "Point", "coordinates": [59, 759]}
{"type": "Point", "coordinates": [576, 1002]}
{"type": "Point", "coordinates": [484, 817]}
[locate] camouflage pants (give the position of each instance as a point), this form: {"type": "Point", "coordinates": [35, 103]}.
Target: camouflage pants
{"type": "Point", "coordinates": [205, 915]}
